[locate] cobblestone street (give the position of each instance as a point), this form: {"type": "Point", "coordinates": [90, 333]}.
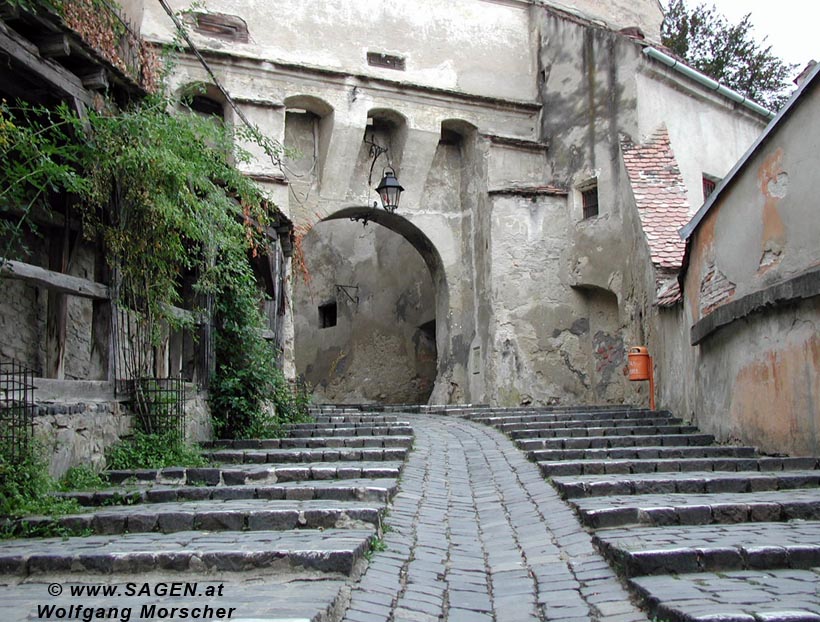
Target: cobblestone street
{"type": "Point", "coordinates": [478, 535]}
{"type": "Point", "coordinates": [601, 514]}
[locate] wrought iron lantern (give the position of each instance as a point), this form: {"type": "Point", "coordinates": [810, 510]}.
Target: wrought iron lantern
{"type": "Point", "coordinates": [389, 190]}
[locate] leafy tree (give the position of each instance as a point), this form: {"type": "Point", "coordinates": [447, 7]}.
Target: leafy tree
{"type": "Point", "coordinates": [727, 52]}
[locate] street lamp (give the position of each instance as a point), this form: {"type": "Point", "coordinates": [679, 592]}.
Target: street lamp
{"type": "Point", "coordinates": [389, 190]}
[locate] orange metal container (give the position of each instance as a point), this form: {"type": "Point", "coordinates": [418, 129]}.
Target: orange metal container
{"type": "Point", "coordinates": [640, 363]}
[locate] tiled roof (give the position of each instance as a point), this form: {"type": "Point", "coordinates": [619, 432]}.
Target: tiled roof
{"type": "Point", "coordinates": [660, 195]}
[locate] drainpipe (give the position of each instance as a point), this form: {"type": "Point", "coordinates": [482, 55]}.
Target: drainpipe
{"type": "Point", "coordinates": [708, 82]}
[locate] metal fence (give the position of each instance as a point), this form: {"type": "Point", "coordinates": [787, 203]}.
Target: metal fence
{"type": "Point", "coordinates": [16, 410]}
{"type": "Point", "coordinates": [158, 404]}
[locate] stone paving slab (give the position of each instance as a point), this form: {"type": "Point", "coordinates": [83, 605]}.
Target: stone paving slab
{"type": "Point", "coordinates": [232, 515]}
{"type": "Point", "coordinates": [477, 535]}
{"type": "Point", "coordinates": [337, 440]}
{"type": "Point", "coordinates": [688, 482]}
{"type": "Point", "coordinates": [514, 411]}
{"type": "Point", "coordinates": [329, 431]}
{"type": "Point", "coordinates": [341, 424]}
{"type": "Point", "coordinates": [227, 475]}
{"type": "Point", "coordinates": [529, 434]}
{"type": "Point", "coordinates": [330, 550]}
{"type": "Point", "coordinates": [604, 442]}
{"type": "Point", "coordinates": [651, 551]}
{"type": "Point", "coordinates": [164, 597]}
{"type": "Point", "coordinates": [614, 421]}
{"type": "Point", "coordinates": [348, 422]}
{"type": "Point", "coordinates": [688, 459]}
{"type": "Point", "coordinates": [738, 596]}
{"type": "Point", "coordinates": [290, 456]}
{"type": "Point", "coordinates": [356, 489]}
{"type": "Point", "coordinates": [700, 509]}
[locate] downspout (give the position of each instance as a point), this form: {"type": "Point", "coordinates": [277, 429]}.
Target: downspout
{"type": "Point", "coordinates": [708, 82]}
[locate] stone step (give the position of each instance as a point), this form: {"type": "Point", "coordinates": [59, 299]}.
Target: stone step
{"type": "Point", "coordinates": [314, 442]}
{"type": "Point", "coordinates": [609, 422]}
{"type": "Point", "coordinates": [329, 550]}
{"type": "Point", "coordinates": [607, 442]}
{"type": "Point", "coordinates": [530, 416]}
{"type": "Point", "coordinates": [234, 515]}
{"type": "Point", "coordinates": [364, 431]}
{"type": "Point", "coordinates": [528, 438]}
{"type": "Point", "coordinates": [732, 459]}
{"type": "Point", "coordinates": [350, 418]}
{"type": "Point", "coordinates": [733, 596]}
{"type": "Point", "coordinates": [290, 456]}
{"type": "Point", "coordinates": [687, 482]}
{"type": "Point", "coordinates": [231, 475]}
{"type": "Point", "coordinates": [712, 548]}
{"type": "Point", "coordinates": [302, 597]}
{"type": "Point", "coordinates": [380, 490]}
{"type": "Point", "coordinates": [699, 509]}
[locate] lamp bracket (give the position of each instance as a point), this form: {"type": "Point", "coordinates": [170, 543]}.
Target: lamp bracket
{"type": "Point", "coordinates": [346, 289]}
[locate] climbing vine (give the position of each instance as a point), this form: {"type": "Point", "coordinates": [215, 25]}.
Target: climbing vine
{"type": "Point", "coordinates": [162, 193]}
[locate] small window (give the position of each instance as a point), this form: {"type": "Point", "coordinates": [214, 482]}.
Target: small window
{"type": "Point", "coordinates": [589, 198]}
{"type": "Point", "coordinates": [327, 315]}
{"type": "Point", "coordinates": [388, 61]}
{"type": "Point", "coordinates": [709, 185]}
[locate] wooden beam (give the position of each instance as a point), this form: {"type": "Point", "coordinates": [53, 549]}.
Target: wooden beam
{"type": "Point", "coordinates": [54, 46]}
{"type": "Point", "coordinates": [12, 45]}
{"type": "Point", "coordinates": [51, 280]}
{"type": "Point", "coordinates": [96, 80]}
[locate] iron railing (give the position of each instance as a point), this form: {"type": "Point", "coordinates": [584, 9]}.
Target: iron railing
{"type": "Point", "coordinates": [158, 404]}
{"type": "Point", "coordinates": [16, 411]}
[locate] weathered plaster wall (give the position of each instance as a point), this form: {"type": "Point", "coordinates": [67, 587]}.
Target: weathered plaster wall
{"type": "Point", "coordinates": [533, 303]}
{"type": "Point", "coordinates": [382, 347]}
{"type": "Point", "coordinates": [700, 124]}
{"type": "Point", "coordinates": [757, 378]}
{"type": "Point", "coordinates": [617, 14]}
{"type": "Point", "coordinates": [475, 46]}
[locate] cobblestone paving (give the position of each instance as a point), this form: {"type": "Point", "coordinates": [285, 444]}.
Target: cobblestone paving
{"type": "Point", "coordinates": [706, 533]}
{"type": "Point", "coordinates": [741, 596]}
{"type": "Point", "coordinates": [479, 536]}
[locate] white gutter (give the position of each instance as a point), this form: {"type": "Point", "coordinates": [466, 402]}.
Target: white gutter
{"type": "Point", "coordinates": [708, 82]}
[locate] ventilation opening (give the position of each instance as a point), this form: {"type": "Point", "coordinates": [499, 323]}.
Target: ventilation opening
{"type": "Point", "coordinates": [327, 315]}
{"type": "Point", "coordinates": [388, 61]}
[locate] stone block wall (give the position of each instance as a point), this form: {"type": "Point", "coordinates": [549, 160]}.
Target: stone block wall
{"type": "Point", "coordinates": [78, 431]}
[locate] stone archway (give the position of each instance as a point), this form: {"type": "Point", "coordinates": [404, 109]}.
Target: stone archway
{"type": "Point", "coordinates": [372, 324]}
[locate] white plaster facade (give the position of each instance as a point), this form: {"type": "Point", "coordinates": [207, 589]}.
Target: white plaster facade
{"type": "Point", "coordinates": [533, 303]}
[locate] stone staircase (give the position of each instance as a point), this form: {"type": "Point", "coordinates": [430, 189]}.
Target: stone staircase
{"type": "Point", "coordinates": [701, 532]}
{"type": "Point", "coordinates": [308, 507]}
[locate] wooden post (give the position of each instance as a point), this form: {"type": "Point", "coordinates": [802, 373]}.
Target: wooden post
{"type": "Point", "coordinates": [102, 324]}
{"type": "Point", "coordinates": [59, 253]}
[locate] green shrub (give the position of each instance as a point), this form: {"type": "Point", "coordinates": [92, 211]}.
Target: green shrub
{"type": "Point", "coordinates": [153, 451]}
{"type": "Point", "coordinates": [26, 488]}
